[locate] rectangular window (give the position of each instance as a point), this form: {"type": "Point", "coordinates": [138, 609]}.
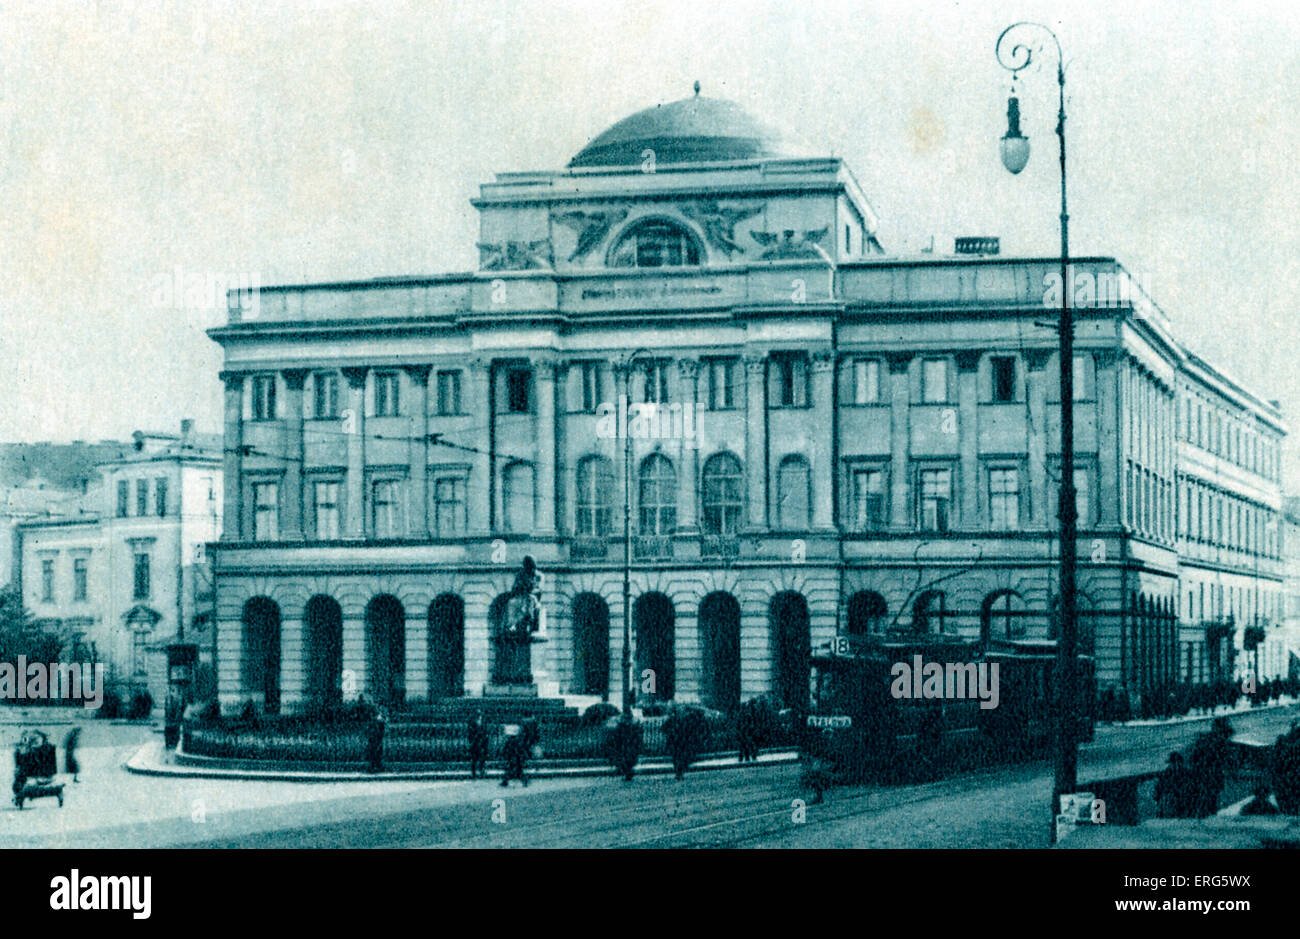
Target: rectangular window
{"type": "Point", "coordinates": [449, 392]}
{"type": "Point", "coordinates": [325, 496]}
{"type": "Point", "coordinates": [141, 497]}
{"type": "Point", "coordinates": [722, 383]}
{"type": "Point", "coordinates": [266, 511]}
{"type": "Point", "coordinates": [449, 505]}
{"type": "Point", "coordinates": [326, 397]}
{"type": "Point", "coordinates": [866, 381]}
{"type": "Point", "coordinates": [1004, 378]}
{"type": "Point", "coordinates": [263, 397]}
{"type": "Point", "coordinates": [790, 381]}
{"type": "Point", "coordinates": [868, 494]}
{"type": "Point", "coordinates": [47, 581]}
{"type": "Point", "coordinates": [519, 390]}
{"type": "Point", "coordinates": [1004, 498]}
{"type": "Point", "coordinates": [139, 654]}
{"type": "Point", "coordinates": [160, 497]}
{"type": "Point", "coordinates": [590, 375]}
{"type": "Point", "coordinates": [386, 506]}
{"type": "Point", "coordinates": [935, 499]}
{"type": "Point", "coordinates": [80, 578]}
{"type": "Point", "coordinates": [386, 403]}
{"type": "Point", "coordinates": [123, 498]}
{"type": "Point", "coordinates": [140, 576]}
{"type": "Point", "coordinates": [934, 381]}
{"type": "Point", "coordinates": [655, 373]}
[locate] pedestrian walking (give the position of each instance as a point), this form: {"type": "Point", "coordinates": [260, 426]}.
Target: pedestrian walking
{"type": "Point", "coordinates": [478, 747]}
{"type": "Point", "coordinates": [747, 730]}
{"type": "Point", "coordinates": [515, 753]}
{"type": "Point", "coordinates": [70, 764]}
{"type": "Point", "coordinates": [375, 742]}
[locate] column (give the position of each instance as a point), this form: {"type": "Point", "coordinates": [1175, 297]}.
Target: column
{"type": "Point", "coordinates": [354, 654]}
{"type": "Point", "coordinates": [899, 445]}
{"type": "Point", "coordinates": [822, 455]}
{"type": "Point", "coordinates": [546, 455]}
{"type": "Point", "coordinates": [756, 438]}
{"type": "Point", "coordinates": [232, 442]}
{"type": "Point", "coordinates": [619, 455]}
{"type": "Point", "coordinates": [293, 670]}
{"type": "Point", "coordinates": [1036, 388]}
{"type": "Point", "coordinates": [293, 464]}
{"type": "Point", "coordinates": [481, 487]}
{"type": "Point", "coordinates": [968, 440]}
{"type": "Point", "coordinates": [418, 474]}
{"type": "Point", "coordinates": [229, 656]}
{"type": "Point", "coordinates": [689, 488]}
{"type": "Point", "coordinates": [1107, 490]}
{"type": "Point", "coordinates": [417, 656]}
{"type": "Point", "coordinates": [354, 425]}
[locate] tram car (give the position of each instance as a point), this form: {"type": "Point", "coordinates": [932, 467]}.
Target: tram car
{"type": "Point", "coordinates": [913, 709]}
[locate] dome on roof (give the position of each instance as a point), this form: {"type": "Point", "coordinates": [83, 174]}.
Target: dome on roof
{"type": "Point", "coordinates": [692, 130]}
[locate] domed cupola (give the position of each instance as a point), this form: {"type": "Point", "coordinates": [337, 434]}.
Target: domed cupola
{"type": "Point", "coordinates": [692, 130]}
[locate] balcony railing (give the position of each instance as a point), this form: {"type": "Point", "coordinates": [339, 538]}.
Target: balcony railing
{"type": "Point", "coordinates": [648, 547]}
{"type": "Point", "coordinates": [719, 546]}
{"type": "Point", "coordinates": [588, 548]}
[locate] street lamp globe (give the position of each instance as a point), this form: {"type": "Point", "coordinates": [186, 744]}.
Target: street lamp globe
{"type": "Point", "coordinates": [1014, 145]}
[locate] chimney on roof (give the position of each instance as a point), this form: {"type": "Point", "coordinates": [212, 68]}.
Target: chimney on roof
{"type": "Point", "coordinates": [983, 245]}
{"type": "Point", "coordinates": [187, 428]}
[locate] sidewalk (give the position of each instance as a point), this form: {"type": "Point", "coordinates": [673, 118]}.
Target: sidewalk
{"type": "Point", "coordinates": [153, 760]}
{"type": "Point", "coordinates": [1235, 710]}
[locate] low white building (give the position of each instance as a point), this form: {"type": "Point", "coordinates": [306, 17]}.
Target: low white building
{"type": "Point", "coordinates": [130, 576]}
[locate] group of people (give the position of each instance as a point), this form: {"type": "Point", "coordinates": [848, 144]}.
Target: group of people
{"type": "Point", "coordinates": [520, 745]}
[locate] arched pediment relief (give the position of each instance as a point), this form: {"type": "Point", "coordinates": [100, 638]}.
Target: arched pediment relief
{"type": "Point", "coordinates": [591, 228]}
{"type": "Point", "coordinates": [515, 255]}
{"type": "Point", "coordinates": [141, 618]}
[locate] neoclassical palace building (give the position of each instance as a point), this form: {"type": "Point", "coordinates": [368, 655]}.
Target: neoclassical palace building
{"type": "Point", "coordinates": [823, 439]}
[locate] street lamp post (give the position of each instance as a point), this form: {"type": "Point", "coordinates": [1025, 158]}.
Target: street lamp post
{"type": "Point", "coordinates": [1014, 55]}
{"type": "Point", "coordinates": [625, 407]}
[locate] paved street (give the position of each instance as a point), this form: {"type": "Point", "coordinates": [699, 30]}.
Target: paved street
{"type": "Point", "coordinates": [746, 807]}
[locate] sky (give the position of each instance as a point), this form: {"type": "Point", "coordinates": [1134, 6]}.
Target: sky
{"type": "Point", "coordinates": [147, 144]}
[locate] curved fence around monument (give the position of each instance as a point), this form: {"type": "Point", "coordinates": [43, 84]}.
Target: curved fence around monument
{"type": "Point", "coordinates": [294, 741]}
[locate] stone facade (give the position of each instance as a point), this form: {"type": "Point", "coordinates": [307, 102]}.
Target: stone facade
{"type": "Point", "coordinates": [823, 438]}
{"type": "Point", "coordinates": [130, 575]}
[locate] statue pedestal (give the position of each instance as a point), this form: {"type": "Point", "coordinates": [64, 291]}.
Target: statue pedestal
{"type": "Point", "coordinates": [509, 678]}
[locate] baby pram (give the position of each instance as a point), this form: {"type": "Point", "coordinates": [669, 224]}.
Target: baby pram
{"type": "Point", "coordinates": [35, 763]}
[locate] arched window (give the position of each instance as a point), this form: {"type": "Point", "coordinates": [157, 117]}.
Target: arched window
{"type": "Point", "coordinates": [517, 497]}
{"type": "Point", "coordinates": [928, 612]}
{"type": "Point", "coordinates": [792, 495]}
{"type": "Point", "coordinates": [656, 243]}
{"type": "Point", "coordinates": [723, 502]}
{"type": "Point", "coordinates": [657, 496]}
{"type": "Point", "coordinates": [595, 484]}
{"type": "Point", "coordinates": [1004, 613]}
{"type": "Point", "coordinates": [867, 612]}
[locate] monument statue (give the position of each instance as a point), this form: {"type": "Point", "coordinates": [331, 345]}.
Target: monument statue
{"type": "Point", "coordinates": [522, 623]}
